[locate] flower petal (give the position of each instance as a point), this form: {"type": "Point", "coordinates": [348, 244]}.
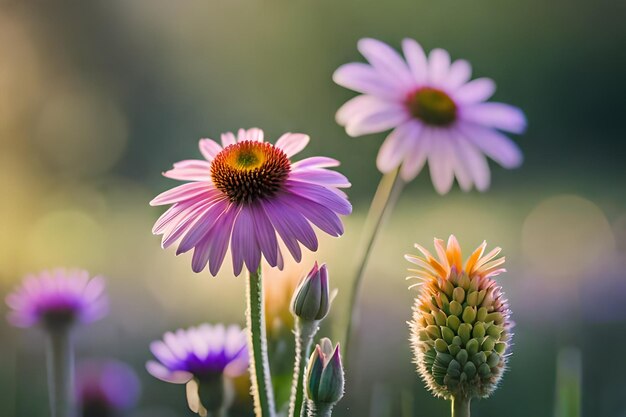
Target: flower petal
{"type": "Point", "coordinates": [438, 66]}
{"type": "Point", "coordinates": [209, 148]}
{"type": "Point", "coordinates": [497, 115]}
{"type": "Point", "coordinates": [244, 247]}
{"type": "Point", "coordinates": [319, 194]}
{"type": "Point", "coordinates": [265, 233]}
{"type": "Point", "coordinates": [180, 193]}
{"type": "Point", "coordinates": [440, 163]}
{"type": "Point", "coordinates": [292, 143]}
{"type": "Point", "coordinates": [385, 60]}
{"type": "Point", "coordinates": [495, 145]}
{"type": "Point", "coordinates": [418, 152]}
{"type": "Point", "coordinates": [160, 372]}
{"type": "Point", "coordinates": [475, 91]}
{"type": "Point", "coordinates": [364, 79]}
{"type": "Point", "coordinates": [460, 73]}
{"type": "Point", "coordinates": [416, 60]}
{"type": "Point", "coordinates": [395, 147]}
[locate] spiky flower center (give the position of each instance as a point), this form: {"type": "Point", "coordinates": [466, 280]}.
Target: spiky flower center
{"type": "Point", "coordinates": [432, 106]}
{"type": "Point", "coordinates": [249, 170]}
{"type": "Point", "coordinates": [461, 333]}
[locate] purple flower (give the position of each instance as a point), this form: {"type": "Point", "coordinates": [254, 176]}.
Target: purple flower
{"type": "Point", "coordinates": [106, 387]}
{"type": "Point", "coordinates": [204, 352]}
{"type": "Point", "coordinates": [435, 112]}
{"type": "Point", "coordinates": [245, 193]}
{"type": "Point", "coordinates": [57, 298]}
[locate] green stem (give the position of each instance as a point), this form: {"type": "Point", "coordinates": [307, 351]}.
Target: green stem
{"type": "Point", "coordinates": [320, 410]}
{"type": "Point", "coordinates": [260, 378]}
{"type": "Point", "coordinates": [304, 332]}
{"type": "Point", "coordinates": [460, 407]}
{"type": "Point", "coordinates": [385, 199]}
{"type": "Point", "coordinates": [60, 358]}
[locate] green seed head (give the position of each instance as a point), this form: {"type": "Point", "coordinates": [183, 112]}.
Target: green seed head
{"type": "Point", "coordinates": [461, 331]}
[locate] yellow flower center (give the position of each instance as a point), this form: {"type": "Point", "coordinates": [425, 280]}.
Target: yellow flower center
{"type": "Point", "coordinates": [248, 171]}
{"type": "Point", "coordinates": [432, 106]}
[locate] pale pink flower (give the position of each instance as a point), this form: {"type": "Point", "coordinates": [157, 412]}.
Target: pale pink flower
{"type": "Point", "coordinates": [437, 114]}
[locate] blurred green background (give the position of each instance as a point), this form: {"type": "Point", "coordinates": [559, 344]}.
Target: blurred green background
{"type": "Point", "coordinates": [97, 98]}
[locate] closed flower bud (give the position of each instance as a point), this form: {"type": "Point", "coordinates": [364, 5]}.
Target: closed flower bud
{"type": "Point", "coordinates": [311, 300]}
{"type": "Point", "coordinates": [466, 356]}
{"type": "Point", "coordinates": [324, 379]}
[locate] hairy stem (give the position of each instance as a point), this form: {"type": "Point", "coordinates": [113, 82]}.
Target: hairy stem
{"type": "Point", "coordinates": [460, 406]}
{"type": "Point", "coordinates": [60, 358]}
{"type": "Point", "coordinates": [385, 199]}
{"type": "Point", "coordinates": [304, 332]}
{"type": "Point", "coordinates": [260, 378]}
{"type": "Point", "coordinates": [320, 410]}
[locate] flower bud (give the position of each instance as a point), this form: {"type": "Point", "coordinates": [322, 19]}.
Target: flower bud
{"type": "Point", "coordinates": [466, 356]}
{"type": "Point", "coordinates": [311, 300]}
{"type": "Point", "coordinates": [324, 379]}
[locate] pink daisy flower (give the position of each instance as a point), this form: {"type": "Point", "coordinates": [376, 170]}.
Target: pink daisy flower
{"type": "Point", "coordinates": [58, 298]}
{"type": "Point", "coordinates": [436, 113]}
{"type": "Point", "coordinates": [246, 193]}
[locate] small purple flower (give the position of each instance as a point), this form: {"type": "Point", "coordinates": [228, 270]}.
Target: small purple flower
{"type": "Point", "coordinates": [106, 388]}
{"type": "Point", "coordinates": [245, 195]}
{"type": "Point", "coordinates": [204, 353]}
{"type": "Point", "coordinates": [57, 298]}
{"type": "Point", "coordinates": [437, 114]}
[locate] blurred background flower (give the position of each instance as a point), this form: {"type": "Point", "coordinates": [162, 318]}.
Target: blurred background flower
{"type": "Point", "coordinates": [158, 76]}
{"type": "Point", "coordinates": [106, 388]}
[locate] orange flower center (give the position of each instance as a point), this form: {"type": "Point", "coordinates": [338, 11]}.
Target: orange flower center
{"type": "Point", "coordinates": [432, 106]}
{"type": "Point", "coordinates": [248, 171]}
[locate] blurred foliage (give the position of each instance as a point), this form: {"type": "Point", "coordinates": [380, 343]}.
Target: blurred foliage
{"type": "Point", "coordinates": [98, 98]}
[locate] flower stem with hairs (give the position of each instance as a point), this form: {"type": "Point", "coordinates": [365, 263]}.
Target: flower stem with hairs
{"type": "Point", "coordinates": [304, 333]}
{"type": "Point", "coordinates": [60, 359]}
{"type": "Point", "coordinates": [320, 410]}
{"type": "Point", "coordinates": [260, 378]}
{"type": "Point", "coordinates": [385, 199]}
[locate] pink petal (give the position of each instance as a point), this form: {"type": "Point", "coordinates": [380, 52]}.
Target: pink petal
{"type": "Point", "coordinates": [418, 152]}
{"type": "Point", "coordinates": [209, 148]}
{"type": "Point", "coordinates": [292, 143]}
{"type": "Point", "coordinates": [495, 145]}
{"type": "Point", "coordinates": [320, 176]}
{"type": "Point", "coordinates": [475, 91]}
{"type": "Point", "coordinates": [203, 223]}
{"type": "Point", "coordinates": [317, 214]}
{"type": "Point", "coordinates": [461, 169]}
{"type": "Point", "coordinates": [377, 120]}
{"type": "Point", "coordinates": [255, 134]}
{"type": "Point", "coordinates": [315, 162]}
{"type": "Point", "coordinates": [476, 164]}
{"type": "Point", "coordinates": [395, 147]}
{"type": "Point", "coordinates": [386, 61]}
{"type": "Point", "coordinates": [459, 73]}
{"type": "Point", "coordinates": [319, 194]}
{"type": "Point", "coordinates": [265, 233]}
{"type": "Point", "coordinates": [228, 139]}
{"type": "Point", "coordinates": [497, 115]}
{"type": "Point", "coordinates": [283, 229]}
{"type": "Point", "coordinates": [220, 237]}
{"type": "Point", "coordinates": [360, 107]}
{"type": "Point", "coordinates": [180, 193]}
{"type": "Point", "coordinates": [416, 60]}
{"type": "Point", "coordinates": [440, 160]}
{"type": "Point", "coordinates": [364, 79]}
{"type": "Point", "coordinates": [190, 170]}
{"type": "Point", "coordinates": [244, 246]}
{"type": "Point", "coordinates": [438, 66]}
